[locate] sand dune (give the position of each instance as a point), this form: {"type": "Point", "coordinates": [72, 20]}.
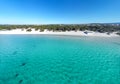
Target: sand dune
{"type": "Point", "coordinates": [75, 33]}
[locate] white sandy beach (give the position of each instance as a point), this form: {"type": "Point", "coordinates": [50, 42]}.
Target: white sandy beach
{"type": "Point", "coordinates": [74, 33]}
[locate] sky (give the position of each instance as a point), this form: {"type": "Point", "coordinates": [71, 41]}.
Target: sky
{"type": "Point", "coordinates": [59, 11]}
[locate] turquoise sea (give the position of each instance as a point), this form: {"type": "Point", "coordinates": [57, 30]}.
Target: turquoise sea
{"type": "Point", "coordinates": [44, 59]}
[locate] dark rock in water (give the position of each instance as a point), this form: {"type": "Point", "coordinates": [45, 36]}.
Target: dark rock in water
{"type": "Point", "coordinates": [23, 64]}
{"type": "Point", "coordinates": [16, 75]}
{"type": "Point", "coordinates": [14, 53]}
{"type": "Point", "coordinates": [20, 81]}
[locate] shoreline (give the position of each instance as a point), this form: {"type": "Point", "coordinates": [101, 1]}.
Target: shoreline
{"type": "Point", "coordinates": [46, 32]}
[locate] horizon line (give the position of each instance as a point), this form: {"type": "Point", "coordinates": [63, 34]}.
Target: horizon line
{"type": "Point", "coordinates": [61, 23]}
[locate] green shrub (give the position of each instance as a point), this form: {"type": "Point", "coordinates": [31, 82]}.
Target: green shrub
{"type": "Point", "coordinates": [29, 30]}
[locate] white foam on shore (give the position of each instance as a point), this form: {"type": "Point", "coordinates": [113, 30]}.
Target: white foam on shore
{"type": "Point", "coordinates": [74, 33]}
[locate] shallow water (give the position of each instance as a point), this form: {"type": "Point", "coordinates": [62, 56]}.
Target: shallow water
{"type": "Point", "coordinates": [36, 59]}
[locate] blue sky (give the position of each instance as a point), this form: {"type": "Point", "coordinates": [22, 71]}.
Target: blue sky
{"type": "Point", "coordinates": [59, 11]}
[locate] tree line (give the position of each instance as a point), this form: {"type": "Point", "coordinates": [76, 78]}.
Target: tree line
{"type": "Point", "coordinates": [68, 27]}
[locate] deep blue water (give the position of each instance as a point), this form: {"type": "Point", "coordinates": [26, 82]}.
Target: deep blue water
{"type": "Point", "coordinates": [42, 59]}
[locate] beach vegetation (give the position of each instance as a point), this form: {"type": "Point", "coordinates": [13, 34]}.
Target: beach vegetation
{"type": "Point", "coordinates": [102, 28]}
{"type": "Point", "coordinates": [29, 30]}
